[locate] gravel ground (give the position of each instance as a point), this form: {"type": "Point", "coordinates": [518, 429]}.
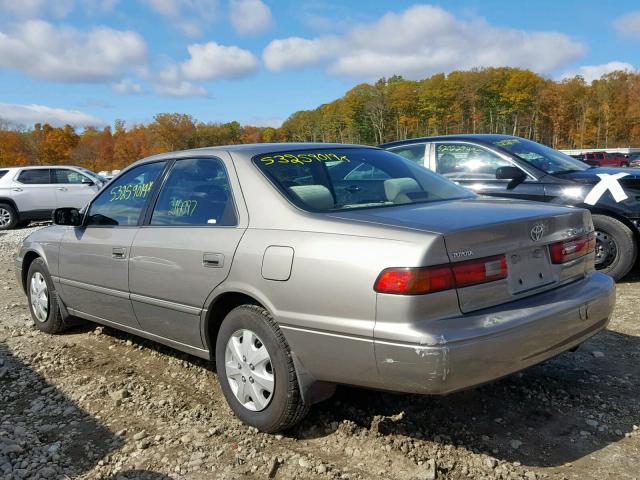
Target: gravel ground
{"type": "Point", "coordinates": [97, 403]}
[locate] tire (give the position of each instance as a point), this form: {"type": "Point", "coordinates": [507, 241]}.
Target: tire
{"type": "Point", "coordinates": [283, 407]}
{"type": "Point", "coordinates": [8, 217]}
{"type": "Point", "coordinates": [616, 248]}
{"type": "Point", "coordinates": [49, 319]}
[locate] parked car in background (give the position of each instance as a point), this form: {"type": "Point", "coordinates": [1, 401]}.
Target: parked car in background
{"type": "Point", "coordinates": [605, 159]}
{"type": "Point", "coordinates": [634, 160]}
{"type": "Point", "coordinates": [32, 193]}
{"type": "Point", "coordinates": [512, 167]}
{"type": "Point", "coordinates": [301, 266]}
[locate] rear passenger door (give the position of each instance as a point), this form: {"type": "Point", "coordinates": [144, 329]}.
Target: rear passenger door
{"type": "Point", "coordinates": [185, 248]}
{"type": "Point", "coordinates": [33, 191]}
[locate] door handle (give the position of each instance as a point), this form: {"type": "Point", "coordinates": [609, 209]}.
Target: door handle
{"type": "Point", "coordinates": [119, 252]}
{"type": "Point", "coordinates": [353, 189]}
{"type": "Point", "coordinates": [63, 189]}
{"type": "Point", "coordinates": [17, 189]}
{"type": "Point", "coordinates": [212, 260]}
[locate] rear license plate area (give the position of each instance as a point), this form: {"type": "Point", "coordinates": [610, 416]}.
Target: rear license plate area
{"type": "Point", "coordinates": [529, 269]}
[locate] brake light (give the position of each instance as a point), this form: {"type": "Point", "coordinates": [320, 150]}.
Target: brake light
{"type": "Point", "coordinates": [414, 281]}
{"type": "Point", "coordinates": [483, 270]}
{"type": "Point", "coordinates": [421, 280]}
{"type": "Point", "coordinates": [567, 250]}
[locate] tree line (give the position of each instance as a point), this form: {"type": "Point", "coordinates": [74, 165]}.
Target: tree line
{"type": "Point", "coordinates": [570, 113]}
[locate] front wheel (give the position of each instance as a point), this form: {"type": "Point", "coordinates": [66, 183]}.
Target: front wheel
{"type": "Point", "coordinates": [256, 371]}
{"type": "Point", "coordinates": [43, 299]}
{"type": "Point", "coordinates": [616, 248]}
{"type": "Point", "coordinates": [8, 217]}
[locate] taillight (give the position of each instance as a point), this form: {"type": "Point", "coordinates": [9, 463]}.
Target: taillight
{"type": "Point", "coordinates": [414, 281]}
{"type": "Point", "coordinates": [567, 250]}
{"type": "Point", "coordinates": [421, 280]}
{"type": "Point", "coordinates": [483, 270]}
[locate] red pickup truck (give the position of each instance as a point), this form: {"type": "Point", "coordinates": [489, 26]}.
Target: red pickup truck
{"type": "Point", "coordinates": [605, 159]}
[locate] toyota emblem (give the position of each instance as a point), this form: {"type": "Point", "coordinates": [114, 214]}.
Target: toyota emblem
{"type": "Point", "coordinates": [537, 232]}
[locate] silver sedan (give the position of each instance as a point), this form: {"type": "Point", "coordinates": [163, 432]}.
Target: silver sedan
{"type": "Point", "coordinates": [297, 267]}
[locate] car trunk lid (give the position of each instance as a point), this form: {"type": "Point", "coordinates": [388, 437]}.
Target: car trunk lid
{"type": "Point", "coordinates": [481, 228]}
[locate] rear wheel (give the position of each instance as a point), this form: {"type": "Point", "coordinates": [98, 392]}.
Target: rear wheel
{"type": "Point", "coordinates": [256, 370]}
{"type": "Point", "coordinates": [8, 217]}
{"type": "Point", "coordinates": [43, 299]}
{"type": "Point", "coordinates": [616, 249]}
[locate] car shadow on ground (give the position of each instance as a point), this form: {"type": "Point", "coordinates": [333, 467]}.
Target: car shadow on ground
{"type": "Point", "coordinates": [548, 415]}
{"type": "Point", "coordinates": [44, 432]}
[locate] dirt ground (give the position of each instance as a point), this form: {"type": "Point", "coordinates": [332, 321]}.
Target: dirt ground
{"type": "Point", "coordinates": [97, 403]}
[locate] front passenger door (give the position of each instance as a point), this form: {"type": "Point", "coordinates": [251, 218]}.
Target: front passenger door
{"type": "Point", "coordinates": [474, 167]}
{"type": "Point", "coordinates": [94, 258]}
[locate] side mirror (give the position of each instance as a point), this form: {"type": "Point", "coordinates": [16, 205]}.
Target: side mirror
{"type": "Point", "coordinates": [88, 181]}
{"type": "Point", "coordinates": [67, 216]}
{"type": "Point", "coordinates": [514, 174]}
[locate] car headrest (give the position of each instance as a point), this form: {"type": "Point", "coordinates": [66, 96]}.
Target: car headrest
{"type": "Point", "coordinates": [316, 196]}
{"type": "Point", "coordinates": [396, 189]}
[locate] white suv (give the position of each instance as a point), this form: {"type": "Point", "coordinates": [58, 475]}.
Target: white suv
{"type": "Point", "coordinates": [32, 193]}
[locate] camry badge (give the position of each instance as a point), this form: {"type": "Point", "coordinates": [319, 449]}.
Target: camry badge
{"type": "Point", "coordinates": [537, 232]}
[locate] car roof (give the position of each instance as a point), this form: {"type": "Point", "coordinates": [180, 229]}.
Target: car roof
{"type": "Point", "coordinates": [251, 149]}
{"type": "Point", "coordinates": [484, 138]}
{"type": "Point", "coordinates": [39, 167]}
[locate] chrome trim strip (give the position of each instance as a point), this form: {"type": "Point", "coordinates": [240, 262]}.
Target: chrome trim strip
{"type": "Point", "coordinates": [165, 304]}
{"type": "Point", "coordinates": [95, 288]}
{"type": "Point", "coordinates": [133, 297]}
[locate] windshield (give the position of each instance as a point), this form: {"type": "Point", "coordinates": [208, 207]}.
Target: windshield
{"type": "Point", "coordinates": [93, 175]}
{"type": "Point", "coordinates": [329, 180]}
{"type": "Point", "coordinates": [546, 159]}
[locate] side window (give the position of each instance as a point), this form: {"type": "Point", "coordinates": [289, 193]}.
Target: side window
{"type": "Point", "coordinates": [464, 161]}
{"type": "Point", "coordinates": [414, 152]}
{"type": "Point", "coordinates": [3, 173]}
{"type": "Point", "coordinates": [197, 192]}
{"type": "Point", "coordinates": [64, 175]}
{"type": "Point", "coordinates": [122, 203]}
{"type": "Point", "coordinates": [366, 171]}
{"type": "Point", "coordinates": [37, 176]}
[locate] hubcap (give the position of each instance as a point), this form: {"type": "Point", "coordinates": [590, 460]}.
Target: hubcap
{"type": "Point", "coordinates": [5, 217]}
{"type": "Point", "coordinates": [39, 297]}
{"type": "Point", "coordinates": [249, 370]}
{"type": "Point", "coordinates": [606, 250]}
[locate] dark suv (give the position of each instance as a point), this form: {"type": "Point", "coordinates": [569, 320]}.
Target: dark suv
{"type": "Point", "coordinates": [512, 167]}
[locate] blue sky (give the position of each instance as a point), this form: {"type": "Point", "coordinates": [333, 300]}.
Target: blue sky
{"type": "Point", "coordinates": [255, 61]}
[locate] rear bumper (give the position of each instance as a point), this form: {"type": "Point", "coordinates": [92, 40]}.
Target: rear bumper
{"type": "Point", "coordinates": [488, 344]}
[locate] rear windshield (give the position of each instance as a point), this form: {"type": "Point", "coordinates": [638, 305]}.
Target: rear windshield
{"type": "Point", "coordinates": [329, 180]}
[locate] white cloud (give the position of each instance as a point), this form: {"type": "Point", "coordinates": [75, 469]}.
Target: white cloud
{"type": "Point", "coordinates": [296, 52]}
{"type": "Point", "coordinates": [65, 54]}
{"type": "Point", "coordinates": [628, 25]}
{"type": "Point", "coordinates": [171, 83]}
{"type": "Point", "coordinates": [210, 61]}
{"type": "Point", "coordinates": [594, 72]}
{"type": "Point", "coordinates": [189, 16]}
{"type": "Point", "coordinates": [420, 41]}
{"type": "Point", "coordinates": [249, 16]}
{"type": "Point", "coordinates": [127, 87]}
{"type": "Point", "coordinates": [30, 114]}
{"type": "Point", "coordinates": [37, 8]}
